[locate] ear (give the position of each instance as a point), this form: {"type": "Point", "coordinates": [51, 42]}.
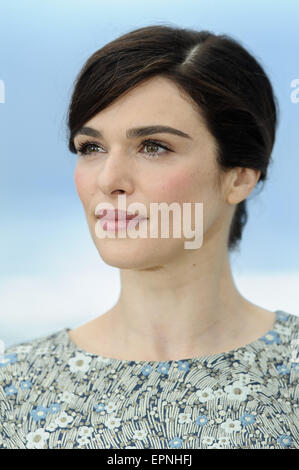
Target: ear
{"type": "Point", "coordinates": [242, 181]}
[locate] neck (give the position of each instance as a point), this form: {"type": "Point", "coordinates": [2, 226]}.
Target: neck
{"type": "Point", "coordinates": [184, 309]}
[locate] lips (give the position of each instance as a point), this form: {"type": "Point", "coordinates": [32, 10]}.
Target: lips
{"type": "Point", "coordinates": [116, 215]}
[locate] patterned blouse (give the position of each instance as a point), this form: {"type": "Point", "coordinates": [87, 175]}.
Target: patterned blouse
{"type": "Point", "coordinates": [55, 395]}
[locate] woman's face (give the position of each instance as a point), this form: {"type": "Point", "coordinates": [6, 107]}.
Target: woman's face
{"type": "Point", "coordinates": [116, 164]}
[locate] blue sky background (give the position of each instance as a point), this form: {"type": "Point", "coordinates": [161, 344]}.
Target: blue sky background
{"type": "Point", "coordinates": [51, 274]}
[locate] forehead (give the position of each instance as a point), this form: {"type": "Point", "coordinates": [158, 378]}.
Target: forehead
{"type": "Point", "coordinates": [156, 99]}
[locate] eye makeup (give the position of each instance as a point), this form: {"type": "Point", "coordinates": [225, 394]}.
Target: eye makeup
{"type": "Point", "coordinates": [83, 149]}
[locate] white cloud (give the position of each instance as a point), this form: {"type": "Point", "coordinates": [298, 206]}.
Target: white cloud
{"type": "Point", "coordinates": [34, 306]}
{"type": "Point", "coordinates": [273, 291]}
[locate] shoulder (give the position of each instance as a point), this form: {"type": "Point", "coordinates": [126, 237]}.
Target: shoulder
{"type": "Point", "coordinates": [287, 325]}
{"type": "Point", "coordinates": [36, 345]}
{"type": "Point", "coordinates": [285, 331]}
{"type": "Point", "coordinates": [19, 358]}
{"type": "Point", "coordinates": [283, 343]}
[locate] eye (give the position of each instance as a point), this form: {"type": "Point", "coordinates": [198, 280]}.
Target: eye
{"type": "Point", "coordinates": [86, 148]}
{"type": "Point", "coordinates": [153, 143]}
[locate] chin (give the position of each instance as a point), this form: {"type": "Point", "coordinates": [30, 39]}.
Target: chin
{"type": "Point", "coordinates": [124, 259]}
{"type": "Point", "coordinates": [138, 253]}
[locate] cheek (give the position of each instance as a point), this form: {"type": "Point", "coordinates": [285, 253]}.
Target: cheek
{"type": "Point", "coordinates": [175, 187]}
{"type": "Point", "coordinates": [82, 183]}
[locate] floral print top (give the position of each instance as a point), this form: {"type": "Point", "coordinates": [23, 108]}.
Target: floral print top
{"type": "Point", "coordinates": [55, 395]}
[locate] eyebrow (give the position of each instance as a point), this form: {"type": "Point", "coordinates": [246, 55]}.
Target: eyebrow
{"type": "Point", "coordinates": [135, 132]}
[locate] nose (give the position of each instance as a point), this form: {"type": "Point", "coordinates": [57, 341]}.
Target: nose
{"type": "Point", "coordinates": [116, 174]}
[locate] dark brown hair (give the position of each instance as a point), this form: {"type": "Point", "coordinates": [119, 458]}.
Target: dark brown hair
{"type": "Point", "coordinates": [226, 83]}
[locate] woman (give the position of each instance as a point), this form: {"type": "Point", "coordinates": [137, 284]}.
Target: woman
{"type": "Point", "coordinates": [182, 360]}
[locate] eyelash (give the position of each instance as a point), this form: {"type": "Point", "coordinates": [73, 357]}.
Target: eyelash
{"type": "Point", "coordinates": [82, 148]}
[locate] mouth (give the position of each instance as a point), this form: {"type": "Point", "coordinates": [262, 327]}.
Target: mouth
{"type": "Point", "coordinates": [111, 225]}
{"type": "Point", "coordinates": [115, 221]}
{"type": "Point", "coordinates": [118, 216]}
